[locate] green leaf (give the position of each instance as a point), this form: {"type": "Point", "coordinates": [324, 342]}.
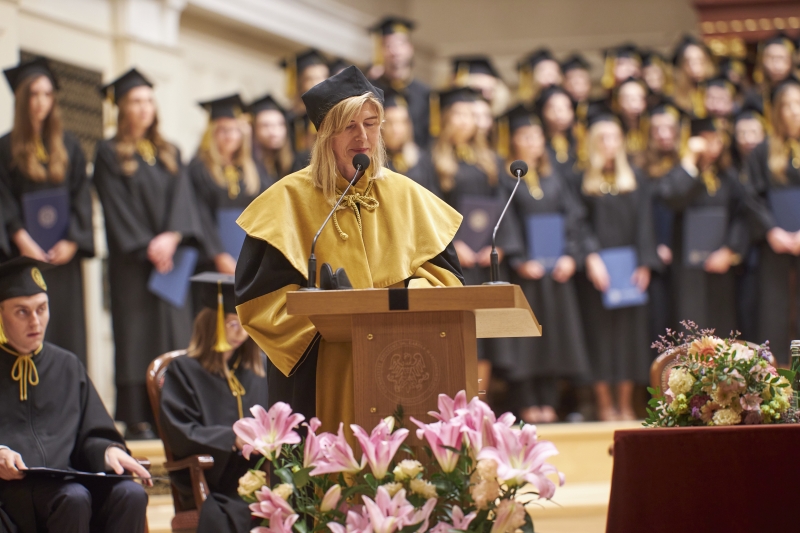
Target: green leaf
{"type": "Point", "coordinates": [285, 475]}
{"type": "Point", "coordinates": [788, 374]}
{"type": "Point", "coordinates": [302, 477]}
{"type": "Point", "coordinates": [300, 526]}
{"type": "Point", "coordinates": [528, 526]}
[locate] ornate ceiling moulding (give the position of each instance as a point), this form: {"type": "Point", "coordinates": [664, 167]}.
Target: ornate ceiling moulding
{"type": "Point", "coordinates": [727, 25]}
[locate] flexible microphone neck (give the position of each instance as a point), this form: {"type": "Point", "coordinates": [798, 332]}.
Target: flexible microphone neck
{"type": "Point", "coordinates": [519, 169]}
{"type": "Point", "coordinates": [360, 163]}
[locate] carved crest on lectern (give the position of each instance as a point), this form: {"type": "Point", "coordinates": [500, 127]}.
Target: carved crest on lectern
{"type": "Point", "coordinates": [406, 372]}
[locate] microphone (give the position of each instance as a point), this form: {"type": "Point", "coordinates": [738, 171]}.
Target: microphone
{"type": "Point", "coordinates": [360, 163]}
{"type": "Point", "coordinates": [518, 169]}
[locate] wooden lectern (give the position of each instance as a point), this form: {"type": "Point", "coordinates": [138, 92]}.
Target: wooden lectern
{"type": "Point", "coordinates": [410, 345]}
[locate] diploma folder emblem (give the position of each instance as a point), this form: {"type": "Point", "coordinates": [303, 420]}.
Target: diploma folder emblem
{"type": "Point", "coordinates": [480, 216]}
{"type": "Point", "coordinates": [46, 216]}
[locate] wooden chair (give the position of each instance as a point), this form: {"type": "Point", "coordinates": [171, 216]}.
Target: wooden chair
{"type": "Point", "coordinates": [185, 520]}
{"type": "Point", "coordinates": [661, 367]}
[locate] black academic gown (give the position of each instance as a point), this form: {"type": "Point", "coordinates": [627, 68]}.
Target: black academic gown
{"type": "Point", "coordinates": [617, 339]}
{"type": "Point", "coordinates": [63, 425]}
{"type": "Point", "coordinates": [565, 164]}
{"type": "Point", "coordinates": [775, 270]}
{"type": "Point", "coordinates": [707, 299]}
{"type": "Point", "coordinates": [8, 213]}
{"type": "Point", "coordinates": [197, 416]}
{"type": "Point", "coordinates": [137, 208]}
{"type": "Point", "coordinates": [298, 126]}
{"type": "Point", "coordinates": [211, 197]}
{"type": "Point", "coordinates": [561, 351]}
{"type": "Point", "coordinates": [418, 96]}
{"type": "Point", "coordinates": [67, 326]}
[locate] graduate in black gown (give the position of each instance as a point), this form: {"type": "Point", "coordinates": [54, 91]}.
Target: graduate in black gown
{"type": "Point", "coordinates": [774, 64]}
{"type": "Point", "coordinates": [538, 363]}
{"type": "Point", "coordinates": [393, 69]}
{"type": "Point", "coordinates": [272, 149]}
{"type": "Point", "coordinates": [693, 66]}
{"type": "Point", "coordinates": [706, 291]}
{"type": "Point", "coordinates": [657, 75]}
{"type": "Point", "coordinates": [464, 168]}
{"type": "Point", "coordinates": [621, 63]}
{"type": "Point", "coordinates": [629, 100]}
{"type": "Point", "coordinates": [578, 83]}
{"type": "Point", "coordinates": [554, 107]}
{"type": "Point", "coordinates": [619, 213]}
{"type": "Point", "coordinates": [303, 71]}
{"type": "Point", "coordinates": [149, 209]}
{"type": "Point", "coordinates": [225, 181]}
{"type": "Point", "coordinates": [402, 153]}
{"type": "Point", "coordinates": [38, 156]}
{"type": "Point", "coordinates": [204, 393]}
{"type": "Point", "coordinates": [52, 417]}
{"type": "Point", "coordinates": [8, 213]}
{"type": "Point", "coordinates": [772, 167]}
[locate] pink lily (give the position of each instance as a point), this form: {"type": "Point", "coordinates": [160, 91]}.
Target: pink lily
{"type": "Point", "coordinates": [269, 430]}
{"type": "Point", "coordinates": [331, 499]}
{"type": "Point", "coordinates": [520, 458]}
{"type": "Point", "coordinates": [510, 515]}
{"type": "Point", "coordinates": [380, 446]}
{"type": "Point", "coordinates": [312, 449]}
{"type": "Point", "coordinates": [479, 419]}
{"type": "Point", "coordinates": [439, 435]}
{"type": "Point", "coordinates": [278, 524]}
{"type": "Point", "coordinates": [269, 504]}
{"type": "Point", "coordinates": [357, 521]}
{"type": "Point", "coordinates": [461, 521]}
{"type": "Point", "coordinates": [337, 456]}
{"type": "Point", "coordinates": [388, 514]}
{"type": "Point", "coordinates": [449, 407]}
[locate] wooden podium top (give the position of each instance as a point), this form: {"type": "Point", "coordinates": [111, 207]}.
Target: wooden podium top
{"type": "Point", "coordinates": [500, 310]}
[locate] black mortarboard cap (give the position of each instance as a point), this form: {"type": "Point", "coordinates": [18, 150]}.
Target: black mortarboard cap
{"type": "Point", "coordinates": [322, 97]}
{"type": "Point", "coordinates": [546, 94]}
{"type": "Point", "coordinates": [391, 24]}
{"type": "Point", "coordinates": [265, 103]}
{"type": "Point", "coordinates": [38, 66]}
{"type": "Point", "coordinates": [536, 57]}
{"type": "Point", "coordinates": [752, 107]}
{"type": "Point", "coordinates": [724, 82]}
{"type": "Point", "coordinates": [624, 50]}
{"type": "Point", "coordinates": [703, 125]}
{"type": "Point", "coordinates": [473, 65]}
{"type": "Point", "coordinates": [22, 276]}
{"type": "Point", "coordinates": [392, 98]}
{"type": "Point", "coordinates": [230, 106]}
{"type": "Point", "coordinates": [651, 57]}
{"type": "Point", "coordinates": [779, 38]}
{"type": "Point", "coordinates": [519, 116]}
{"type": "Point", "coordinates": [207, 286]}
{"type": "Point", "coordinates": [305, 59]}
{"type": "Point", "coordinates": [122, 85]}
{"type": "Point", "coordinates": [685, 42]}
{"type": "Point", "coordinates": [458, 94]}
{"type": "Point", "coordinates": [666, 105]}
{"type": "Point", "coordinates": [574, 62]}
{"type": "Point", "coordinates": [599, 112]}
{"type": "Point", "coordinates": [791, 80]}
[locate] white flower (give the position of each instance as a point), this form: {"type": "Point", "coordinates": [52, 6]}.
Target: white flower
{"type": "Point", "coordinates": [681, 381]}
{"type": "Point", "coordinates": [284, 490]}
{"type": "Point", "coordinates": [407, 469]}
{"type": "Point", "coordinates": [423, 488]}
{"type": "Point", "coordinates": [726, 417]}
{"type": "Point", "coordinates": [392, 488]}
{"type": "Point", "coordinates": [741, 352]}
{"type": "Point", "coordinates": [251, 482]}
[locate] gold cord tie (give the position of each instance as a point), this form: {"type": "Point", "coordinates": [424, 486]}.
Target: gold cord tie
{"type": "Point", "coordinates": [531, 179]}
{"type": "Point", "coordinates": [147, 150]}
{"type": "Point", "coordinates": [561, 147]}
{"type": "Point", "coordinates": [794, 152]}
{"type": "Point", "coordinates": [465, 153]}
{"type": "Point", "coordinates": [235, 385]}
{"type": "Point", "coordinates": [232, 178]}
{"type": "Point", "coordinates": [24, 371]}
{"type": "Point", "coordinates": [353, 201]}
{"type": "Point", "coordinates": [41, 152]}
{"type": "Point", "coordinates": [711, 181]}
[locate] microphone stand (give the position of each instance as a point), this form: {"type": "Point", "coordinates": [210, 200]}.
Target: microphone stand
{"type": "Point", "coordinates": [312, 259]}
{"type": "Point", "coordinates": [495, 258]}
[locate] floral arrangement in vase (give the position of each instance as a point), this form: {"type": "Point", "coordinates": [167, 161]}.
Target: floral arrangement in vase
{"type": "Point", "coordinates": [719, 382]}
{"type": "Point", "coordinates": [481, 473]}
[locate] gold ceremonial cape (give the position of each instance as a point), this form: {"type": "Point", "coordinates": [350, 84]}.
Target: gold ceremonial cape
{"type": "Point", "coordinates": [397, 239]}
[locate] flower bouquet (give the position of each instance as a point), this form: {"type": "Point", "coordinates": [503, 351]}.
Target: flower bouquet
{"type": "Point", "coordinates": [719, 382]}
{"type": "Point", "coordinates": [482, 471]}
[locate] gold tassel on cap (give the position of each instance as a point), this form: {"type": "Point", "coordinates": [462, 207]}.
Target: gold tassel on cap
{"type": "Point", "coordinates": [435, 126]}
{"type": "Point", "coordinates": [377, 49]}
{"type": "Point", "coordinates": [222, 344]}
{"type": "Point", "coordinates": [608, 73]}
{"type": "Point", "coordinates": [503, 138]}
{"type": "Point", "coordinates": [291, 78]}
{"type": "Point", "coordinates": [525, 89]}
{"type": "Point", "coordinates": [462, 74]}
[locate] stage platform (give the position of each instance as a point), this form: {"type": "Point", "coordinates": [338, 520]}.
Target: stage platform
{"type": "Point", "coordinates": [580, 506]}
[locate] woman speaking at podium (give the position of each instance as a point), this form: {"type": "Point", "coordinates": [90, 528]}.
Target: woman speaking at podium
{"type": "Point", "coordinates": [388, 232]}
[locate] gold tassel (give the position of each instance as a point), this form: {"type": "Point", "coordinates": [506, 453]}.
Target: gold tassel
{"type": "Point", "coordinates": [377, 50]}
{"type": "Point", "coordinates": [232, 177]}
{"type": "Point", "coordinates": [300, 135]}
{"type": "Point", "coordinates": [686, 133]}
{"type": "Point", "coordinates": [561, 147]}
{"type": "Point", "coordinates": [767, 100]}
{"type": "Point", "coordinates": [41, 152]}
{"type": "Point", "coordinates": [608, 73]}
{"type": "Point", "coordinates": [147, 150]}
{"type": "Point", "coordinates": [503, 138]}
{"type": "Point", "coordinates": [462, 74]}
{"type": "Point", "coordinates": [525, 89]}
{"type": "Point", "coordinates": [3, 338]}
{"type": "Point", "coordinates": [222, 345]}
{"type": "Point", "coordinates": [435, 126]}
{"type": "Point", "coordinates": [291, 78]}
{"type": "Point", "coordinates": [698, 103]}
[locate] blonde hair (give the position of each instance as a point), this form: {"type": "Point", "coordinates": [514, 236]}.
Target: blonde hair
{"type": "Point", "coordinates": [242, 158]}
{"type": "Point", "coordinates": [126, 145]}
{"type": "Point", "coordinates": [778, 158]}
{"type": "Point", "coordinates": [24, 141]}
{"type": "Point", "coordinates": [445, 161]}
{"type": "Point", "coordinates": [323, 160]}
{"type": "Point", "coordinates": [593, 178]}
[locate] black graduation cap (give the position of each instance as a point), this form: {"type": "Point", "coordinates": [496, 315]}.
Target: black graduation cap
{"type": "Point", "coordinates": [631, 79]}
{"type": "Point", "coordinates": [517, 117]}
{"type": "Point", "coordinates": [452, 96]}
{"type": "Point", "coordinates": [303, 60]}
{"type": "Point", "coordinates": [667, 106]}
{"type": "Point", "coordinates": [624, 50]}
{"type": "Point", "coordinates": [392, 98]}
{"type": "Point", "coordinates": [651, 57]}
{"type": "Point", "coordinates": [575, 62]}
{"type": "Point", "coordinates": [321, 98]}
{"type": "Point", "coordinates": [779, 38]}
{"type": "Point", "coordinates": [703, 125]}
{"type": "Point", "coordinates": [463, 66]}
{"type": "Point", "coordinates": [265, 103]}
{"type": "Point", "coordinates": [724, 82]}
{"type": "Point", "coordinates": [534, 58]}
{"type": "Point", "coordinates": [22, 276]}
{"type": "Point", "coordinates": [752, 107]}
{"type": "Point", "coordinates": [215, 291]}
{"type": "Point", "coordinates": [685, 42]}
{"type": "Point", "coordinates": [599, 112]}
{"type": "Point", "coordinates": [38, 66]}
{"type": "Point", "coordinates": [230, 106]}
{"type": "Point", "coordinates": [546, 94]}
{"type": "Point", "coordinates": [391, 24]}
{"type": "Point", "coordinates": [122, 85]}
{"type": "Point", "coordinates": [791, 80]}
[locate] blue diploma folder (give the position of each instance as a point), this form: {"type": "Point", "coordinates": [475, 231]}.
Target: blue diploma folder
{"type": "Point", "coordinates": [231, 235]}
{"type": "Point", "coordinates": [704, 231]}
{"type": "Point", "coordinates": [545, 238]}
{"type": "Point", "coordinates": [621, 263]}
{"type": "Point", "coordinates": [480, 217]}
{"type": "Point", "coordinates": [47, 216]}
{"type": "Point", "coordinates": [785, 205]}
{"type": "Point", "coordinates": [173, 286]}
{"type": "Point", "coordinates": [663, 218]}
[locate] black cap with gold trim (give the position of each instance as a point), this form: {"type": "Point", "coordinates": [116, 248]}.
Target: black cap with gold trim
{"type": "Point", "coordinates": [348, 83]}
{"type": "Point", "coordinates": [463, 66]}
{"type": "Point", "coordinates": [122, 85]}
{"type": "Point", "coordinates": [391, 24]}
{"type": "Point", "coordinates": [230, 106]}
{"type": "Point", "coordinates": [575, 62]}
{"type": "Point", "coordinates": [38, 66]}
{"type": "Point", "coordinates": [22, 276]}
{"type": "Point", "coordinates": [265, 103]}
{"type": "Point", "coordinates": [215, 291]}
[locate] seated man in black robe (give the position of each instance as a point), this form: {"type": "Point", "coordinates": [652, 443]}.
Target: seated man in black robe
{"type": "Point", "coordinates": [51, 417]}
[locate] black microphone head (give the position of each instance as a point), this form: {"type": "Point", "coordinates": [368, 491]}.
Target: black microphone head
{"type": "Point", "coordinates": [361, 160]}
{"type": "Point", "coordinates": [519, 166]}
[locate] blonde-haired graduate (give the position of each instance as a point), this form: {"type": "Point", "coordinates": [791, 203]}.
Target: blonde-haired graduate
{"type": "Point", "coordinates": [389, 232]}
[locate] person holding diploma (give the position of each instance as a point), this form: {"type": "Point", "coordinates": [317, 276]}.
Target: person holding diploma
{"type": "Point", "coordinates": [149, 209]}
{"type": "Point", "coordinates": [773, 182]}
{"type": "Point", "coordinates": [225, 180]}
{"type": "Point", "coordinates": [617, 201]}
{"type": "Point", "coordinates": [204, 393]}
{"type": "Point", "coordinates": [391, 232]}
{"type": "Point", "coordinates": [45, 170]}
{"type": "Point", "coordinates": [52, 417]}
{"type": "Point", "coordinates": [542, 205]}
